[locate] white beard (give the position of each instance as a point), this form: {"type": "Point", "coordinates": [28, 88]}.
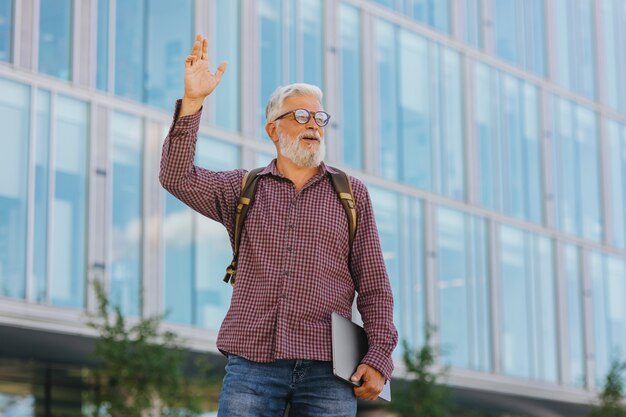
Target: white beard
{"type": "Point", "coordinates": [297, 153]}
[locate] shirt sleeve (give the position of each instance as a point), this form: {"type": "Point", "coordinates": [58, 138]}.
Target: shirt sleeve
{"type": "Point", "coordinates": [375, 299]}
{"type": "Point", "coordinates": [213, 194]}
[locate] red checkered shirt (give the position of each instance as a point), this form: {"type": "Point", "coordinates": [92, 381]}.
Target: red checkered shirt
{"type": "Point", "coordinates": [293, 264]}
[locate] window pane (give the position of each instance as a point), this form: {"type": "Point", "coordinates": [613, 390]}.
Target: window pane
{"type": "Point", "coordinates": [574, 43]}
{"type": "Point", "coordinates": [617, 181]}
{"type": "Point", "coordinates": [463, 290]}
{"type": "Point", "coordinates": [434, 13]}
{"type": "Point", "coordinates": [528, 305]}
{"type": "Point", "coordinates": [587, 143]}
{"type": "Point", "coordinates": [226, 47]}
{"type": "Point", "coordinates": [506, 21]}
{"type": "Point", "coordinates": [166, 50]}
{"type": "Point", "coordinates": [573, 282]}
{"type": "Point", "coordinates": [608, 275]}
{"type": "Point", "coordinates": [386, 60]}
{"type": "Point", "coordinates": [15, 121]}
{"type": "Point", "coordinates": [42, 200]}
{"type": "Point", "coordinates": [452, 171]}
{"type": "Point", "coordinates": [351, 98]}
{"type": "Point", "coordinates": [55, 38]}
{"type": "Point", "coordinates": [102, 65]}
{"type": "Point", "coordinates": [473, 23]}
{"type": "Point", "coordinates": [415, 111]}
{"type": "Point", "coordinates": [575, 151]}
{"type": "Point", "coordinates": [270, 15]}
{"type": "Point", "coordinates": [130, 53]}
{"type": "Point", "coordinates": [309, 55]}
{"type": "Point", "coordinates": [69, 207]}
{"type": "Point", "coordinates": [126, 156]}
{"type": "Point", "coordinates": [6, 29]}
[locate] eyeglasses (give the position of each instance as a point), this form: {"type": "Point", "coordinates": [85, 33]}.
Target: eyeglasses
{"type": "Point", "coordinates": [303, 116]}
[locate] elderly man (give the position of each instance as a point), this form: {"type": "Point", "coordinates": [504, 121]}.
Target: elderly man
{"type": "Point", "coordinates": [296, 265]}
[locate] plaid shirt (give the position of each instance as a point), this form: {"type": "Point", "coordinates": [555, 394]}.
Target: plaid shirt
{"type": "Point", "coordinates": [293, 265]}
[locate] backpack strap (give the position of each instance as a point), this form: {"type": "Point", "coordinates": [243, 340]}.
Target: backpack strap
{"type": "Point", "coordinates": [341, 184]}
{"type": "Point", "coordinates": [246, 198]}
{"type": "Point", "coordinates": [343, 188]}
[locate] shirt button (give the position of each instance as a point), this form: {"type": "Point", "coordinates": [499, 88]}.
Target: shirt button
{"type": "Point", "coordinates": [286, 273]}
{"type": "Point", "coordinates": [292, 226]}
{"type": "Point", "coordinates": [288, 248]}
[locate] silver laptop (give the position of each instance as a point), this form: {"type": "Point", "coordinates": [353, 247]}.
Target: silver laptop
{"type": "Point", "coordinates": [349, 347]}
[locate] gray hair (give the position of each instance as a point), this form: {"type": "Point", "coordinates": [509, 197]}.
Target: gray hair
{"type": "Point", "coordinates": [281, 93]}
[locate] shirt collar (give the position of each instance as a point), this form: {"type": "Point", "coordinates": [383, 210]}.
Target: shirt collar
{"type": "Point", "coordinates": [271, 169]}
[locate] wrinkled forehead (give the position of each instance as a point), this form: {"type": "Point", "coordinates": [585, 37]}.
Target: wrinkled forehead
{"type": "Point", "coordinates": [308, 102]}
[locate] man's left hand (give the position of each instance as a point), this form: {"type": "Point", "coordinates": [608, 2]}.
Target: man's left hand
{"type": "Point", "coordinates": [373, 382]}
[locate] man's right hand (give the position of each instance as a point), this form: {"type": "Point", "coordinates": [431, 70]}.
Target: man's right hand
{"type": "Point", "coordinates": [199, 81]}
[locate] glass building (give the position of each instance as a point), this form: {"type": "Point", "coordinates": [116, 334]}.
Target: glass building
{"type": "Point", "coordinates": [491, 134]}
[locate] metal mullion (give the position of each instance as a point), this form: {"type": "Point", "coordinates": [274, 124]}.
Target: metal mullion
{"type": "Point", "coordinates": [111, 47]}
{"type": "Point", "coordinates": [30, 195]}
{"type": "Point", "coordinates": [51, 193]}
{"type": "Point", "coordinates": [285, 41]}
{"type": "Point", "coordinates": [496, 301]}
{"type": "Point", "coordinates": [332, 74]}
{"type": "Point", "coordinates": [606, 197]}
{"type": "Point", "coordinates": [16, 29]}
{"type": "Point", "coordinates": [430, 280]}
{"type": "Point", "coordinates": [75, 41]}
{"type": "Point", "coordinates": [563, 347]}
{"type": "Point", "coordinates": [35, 45]}
{"type": "Point", "coordinates": [92, 76]}
{"type": "Point", "coordinates": [371, 138]}
{"type": "Point", "coordinates": [470, 285]}
{"type": "Point", "coordinates": [588, 328]}
{"type": "Point", "coordinates": [547, 141]}
{"type": "Point", "coordinates": [469, 117]}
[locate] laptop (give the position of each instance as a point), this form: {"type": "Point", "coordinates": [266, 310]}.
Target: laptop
{"type": "Point", "coordinates": [349, 347]}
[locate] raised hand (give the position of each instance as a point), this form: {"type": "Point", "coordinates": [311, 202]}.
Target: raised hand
{"type": "Point", "coordinates": [199, 81]}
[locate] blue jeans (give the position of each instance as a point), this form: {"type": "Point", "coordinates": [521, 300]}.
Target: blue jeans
{"type": "Point", "coordinates": [252, 389]}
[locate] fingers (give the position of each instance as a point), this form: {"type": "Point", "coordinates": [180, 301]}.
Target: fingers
{"type": "Point", "coordinates": [220, 70]}
{"type": "Point", "coordinates": [360, 370]}
{"type": "Point", "coordinates": [205, 48]}
{"type": "Point", "coordinates": [373, 382]}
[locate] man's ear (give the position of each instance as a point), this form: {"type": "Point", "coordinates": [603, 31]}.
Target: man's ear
{"type": "Point", "coordinates": [271, 128]}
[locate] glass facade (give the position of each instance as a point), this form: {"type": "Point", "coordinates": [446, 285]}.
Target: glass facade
{"type": "Point", "coordinates": [498, 177]}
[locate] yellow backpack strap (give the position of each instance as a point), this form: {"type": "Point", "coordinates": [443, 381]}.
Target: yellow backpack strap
{"type": "Point", "coordinates": [246, 198]}
{"type": "Point", "coordinates": [343, 188]}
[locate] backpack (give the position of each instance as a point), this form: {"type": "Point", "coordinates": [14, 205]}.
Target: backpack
{"type": "Point", "coordinates": [343, 188]}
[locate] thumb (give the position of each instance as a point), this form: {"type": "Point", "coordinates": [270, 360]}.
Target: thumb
{"type": "Point", "coordinates": [360, 371]}
{"type": "Point", "coordinates": [220, 70]}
